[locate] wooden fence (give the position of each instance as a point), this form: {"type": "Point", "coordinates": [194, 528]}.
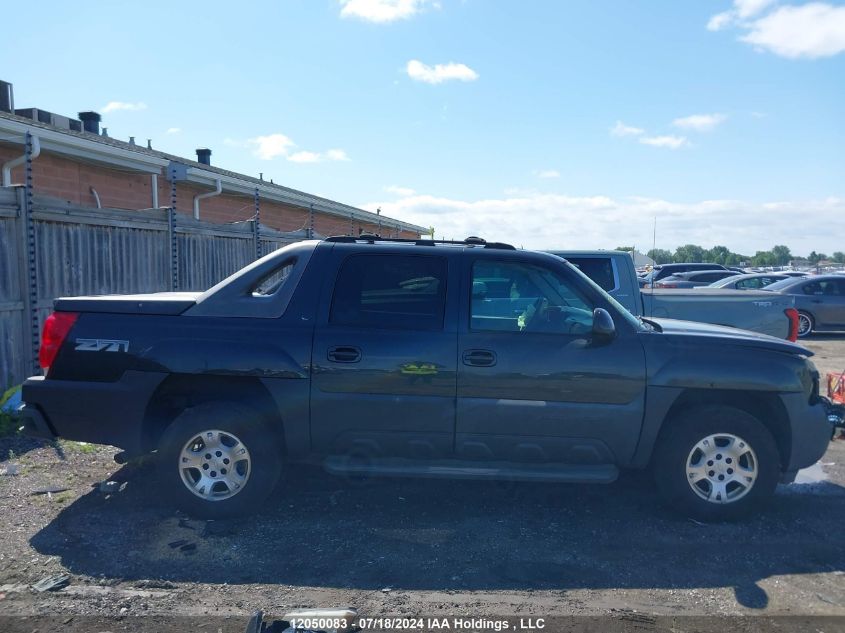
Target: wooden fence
{"type": "Point", "coordinates": [49, 248]}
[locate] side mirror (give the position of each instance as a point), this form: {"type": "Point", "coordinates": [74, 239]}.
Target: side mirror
{"type": "Point", "coordinates": [603, 325]}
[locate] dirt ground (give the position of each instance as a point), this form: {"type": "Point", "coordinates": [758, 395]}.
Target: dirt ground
{"type": "Point", "coordinates": [405, 547]}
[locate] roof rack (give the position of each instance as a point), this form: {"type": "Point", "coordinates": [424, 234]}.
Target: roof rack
{"type": "Point", "coordinates": [369, 238]}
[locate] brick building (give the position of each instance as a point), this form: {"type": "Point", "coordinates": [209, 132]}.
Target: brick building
{"type": "Point", "coordinates": [77, 162]}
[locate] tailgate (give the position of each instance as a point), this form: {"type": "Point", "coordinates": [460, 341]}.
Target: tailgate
{"type": "Point", "coordinates": [166, 303]}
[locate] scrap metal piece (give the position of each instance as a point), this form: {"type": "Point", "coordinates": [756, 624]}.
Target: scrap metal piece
{"type": "Point", "coordinates": [254, 624]}
{"type": "Point", "coordinates": [52, 583]}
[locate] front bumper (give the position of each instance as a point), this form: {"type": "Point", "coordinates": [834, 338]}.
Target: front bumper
{"type": "Point", "coordinates": [811, 431]}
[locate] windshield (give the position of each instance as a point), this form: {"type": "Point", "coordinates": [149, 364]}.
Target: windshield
{"type": "Point", "coordinates": [781, 285]}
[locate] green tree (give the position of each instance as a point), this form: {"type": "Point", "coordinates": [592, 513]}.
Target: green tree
{"type": "Point", "coordinates": [782, 255]}
{"type": "Point", "coordinates": [689, 253]}
{"type": "Point", "coordinates": [763, 258]}
{"type": "Point", "coordinates": [814, 257]}
{"type": "Point", "coordinates": [660, 256]}
{"type": "Point", "coordinates": [717, 255]}
{"type": "Point", "coordinates": [626, 249]}
{"type": "Point", "coordinates": [839, 257]}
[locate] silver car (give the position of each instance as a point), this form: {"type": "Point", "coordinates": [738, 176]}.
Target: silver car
{"type": "Point", "coordinates": [752, 281]}
{"type": "Point", "coordinates": [820, 301]}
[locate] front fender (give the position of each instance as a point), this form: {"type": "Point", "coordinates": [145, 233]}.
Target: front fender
{"type": "Point", "coordinates": [725, 367]}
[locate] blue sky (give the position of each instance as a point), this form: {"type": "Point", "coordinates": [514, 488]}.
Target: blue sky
{"type": "Point", "coordinates": [547, 123]}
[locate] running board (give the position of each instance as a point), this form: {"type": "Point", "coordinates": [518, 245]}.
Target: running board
{"type": "Point", "coordinates": [466, 469]}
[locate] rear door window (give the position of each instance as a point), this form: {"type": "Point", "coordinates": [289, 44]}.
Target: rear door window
{"type": "Point", "coordinates": [390, 291]}
{"type": "Point", "coordinates": [599, 269]}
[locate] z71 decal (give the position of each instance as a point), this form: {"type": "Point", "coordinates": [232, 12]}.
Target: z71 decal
{"type": "Point", "coordinates": [100, 345]}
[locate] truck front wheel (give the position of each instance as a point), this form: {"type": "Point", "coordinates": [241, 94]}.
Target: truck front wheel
{"type": "Point", "coordinates": [218, 459]}
{"type": "Point", "coordinates": [716, 463]}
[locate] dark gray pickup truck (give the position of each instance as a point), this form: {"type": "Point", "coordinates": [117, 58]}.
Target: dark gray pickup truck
{"type": "Point", "coordinates": [419, 358]}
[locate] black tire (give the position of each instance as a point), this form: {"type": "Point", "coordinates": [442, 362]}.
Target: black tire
{"type": "Point", "coordinates": [674, 452]}
{"type": "Point", "coordinates": [805, 317]}
{"type": "Point", "coordinates": [261, 464]}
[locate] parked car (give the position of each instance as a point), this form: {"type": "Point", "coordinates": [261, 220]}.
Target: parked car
{"type": "Point", "coordinates": [424, 359]}
{"type": "Point", "coordinates": [751, 281]}
{"type": "Point", "coordinates": [820, 301]}
{"type": "Point", "coordinates": [751, 310]}
{"type": "Point", "coordinates": [662, 271]}
{"type": "Point", "coordinates": [794, 273]}
{"type": "Point", "coordinates": [694, 279]}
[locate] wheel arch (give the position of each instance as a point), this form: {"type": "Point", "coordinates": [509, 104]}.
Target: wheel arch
{"type": "Point", "coordinates": [181, 391]}
{"type": "Point", "coordinates": [764, 406]}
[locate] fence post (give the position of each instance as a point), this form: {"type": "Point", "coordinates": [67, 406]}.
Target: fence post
{"type": "Point", "coordinates": [256, 224]}
{"type": "Point", "coordinates": [311, 221]}
{"type": "Point", "coordinates": [173, 245]}
{"type": "Point", "coordinates": [31, 263]}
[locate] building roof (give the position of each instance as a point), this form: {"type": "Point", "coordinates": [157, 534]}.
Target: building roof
{"type": "Point", "coordinates": [110, 151]}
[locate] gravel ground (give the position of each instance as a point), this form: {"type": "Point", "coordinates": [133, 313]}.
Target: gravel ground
{"type": "Point", "coordinates": [410, 547]}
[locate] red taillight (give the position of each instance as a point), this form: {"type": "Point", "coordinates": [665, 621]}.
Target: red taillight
{"type": "Point", "coordinates": [792, 315]}
{"type": "Point", "coordinates": [56, 328]}
{"type": "Point", "coordinates": [666, 285]}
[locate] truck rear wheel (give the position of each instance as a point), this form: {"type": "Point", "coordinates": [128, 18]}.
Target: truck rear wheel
{"type": "Point", "coordinates": [218, 459]}
{"type": "Point", "coordinates": [716, 463]}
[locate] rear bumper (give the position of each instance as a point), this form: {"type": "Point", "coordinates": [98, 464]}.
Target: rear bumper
{"type": "Point", "coordinates": [811, 431]}
{"type": "Point", "coordinates": [34, 423]}
{"type": "Point", "coordinates": [96, 412]}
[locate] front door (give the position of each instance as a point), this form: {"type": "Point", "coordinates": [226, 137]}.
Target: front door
{"type": "Point", "coordinates": [384, 358]}
{"type": "Point", "coordinates": [534, 384]}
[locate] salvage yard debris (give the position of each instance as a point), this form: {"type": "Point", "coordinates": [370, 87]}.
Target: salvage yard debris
{"type": "Point", "coordinates": [52, 583]}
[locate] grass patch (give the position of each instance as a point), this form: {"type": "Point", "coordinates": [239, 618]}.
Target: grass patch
{"type": "Point", "coordinates": [79, 447]}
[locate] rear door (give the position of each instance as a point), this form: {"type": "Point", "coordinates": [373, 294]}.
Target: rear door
{"type": "Point", "coordinates": [533, 385]}
{"type": "Point", "coordinates": [384, 355]}
{"type": "Point", "coordinates": [828, 301]}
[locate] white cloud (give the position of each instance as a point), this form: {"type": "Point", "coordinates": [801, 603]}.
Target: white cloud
{"type": "Point", "coordinates": [620, 129]}
{"type": "Point", "coordinates": [114, 106]}
{"type": "Point", "coordinates": [812, 30]}
{"type": "Point", "coordinates": [720, 21]}
{"type": "Point", "coordinates": [173, 130]}
{"type": "Point", "coordinates": [337, 155]}
{"type": "Point", "coordinates": [271, 146]}
{"type": "Point", "coordinates": [317, 157]}
{"type": "Point", "coordinates": [381, 11]}
{"type": "Point", "coordinates": [540, 221]}
{"type": "Point", "coordinates": [750, 8]}
{"type": "Point", "coordinates": [548, 173]}
{"type": "Point", "coordinates": [278, 145]}
{"type": "Point", "coordinates": [304, 157]}
{"type": "Point", "coordinates": [699, 122]}
{"type": "Point", "coordinates": [742, 10]}
{"type": "Point", "coordinates": [400, 191]}
{"type": "Point", "coordinates": [439, 72]}
{"type": "Point", "coordinates": [807, 31]}
{"type": "Point", "coordinates": [672, 142]}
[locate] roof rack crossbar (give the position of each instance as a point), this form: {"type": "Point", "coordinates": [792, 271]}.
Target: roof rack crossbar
{"type": "Point", "coordinates": [372, 239]}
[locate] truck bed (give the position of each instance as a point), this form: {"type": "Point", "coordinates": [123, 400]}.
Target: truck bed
{"type": "Point", "coordinates": [755, 310]}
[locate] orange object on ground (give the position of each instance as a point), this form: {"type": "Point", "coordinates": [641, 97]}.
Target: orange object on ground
{"type": "Point", "coordinates": [836, 387]}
